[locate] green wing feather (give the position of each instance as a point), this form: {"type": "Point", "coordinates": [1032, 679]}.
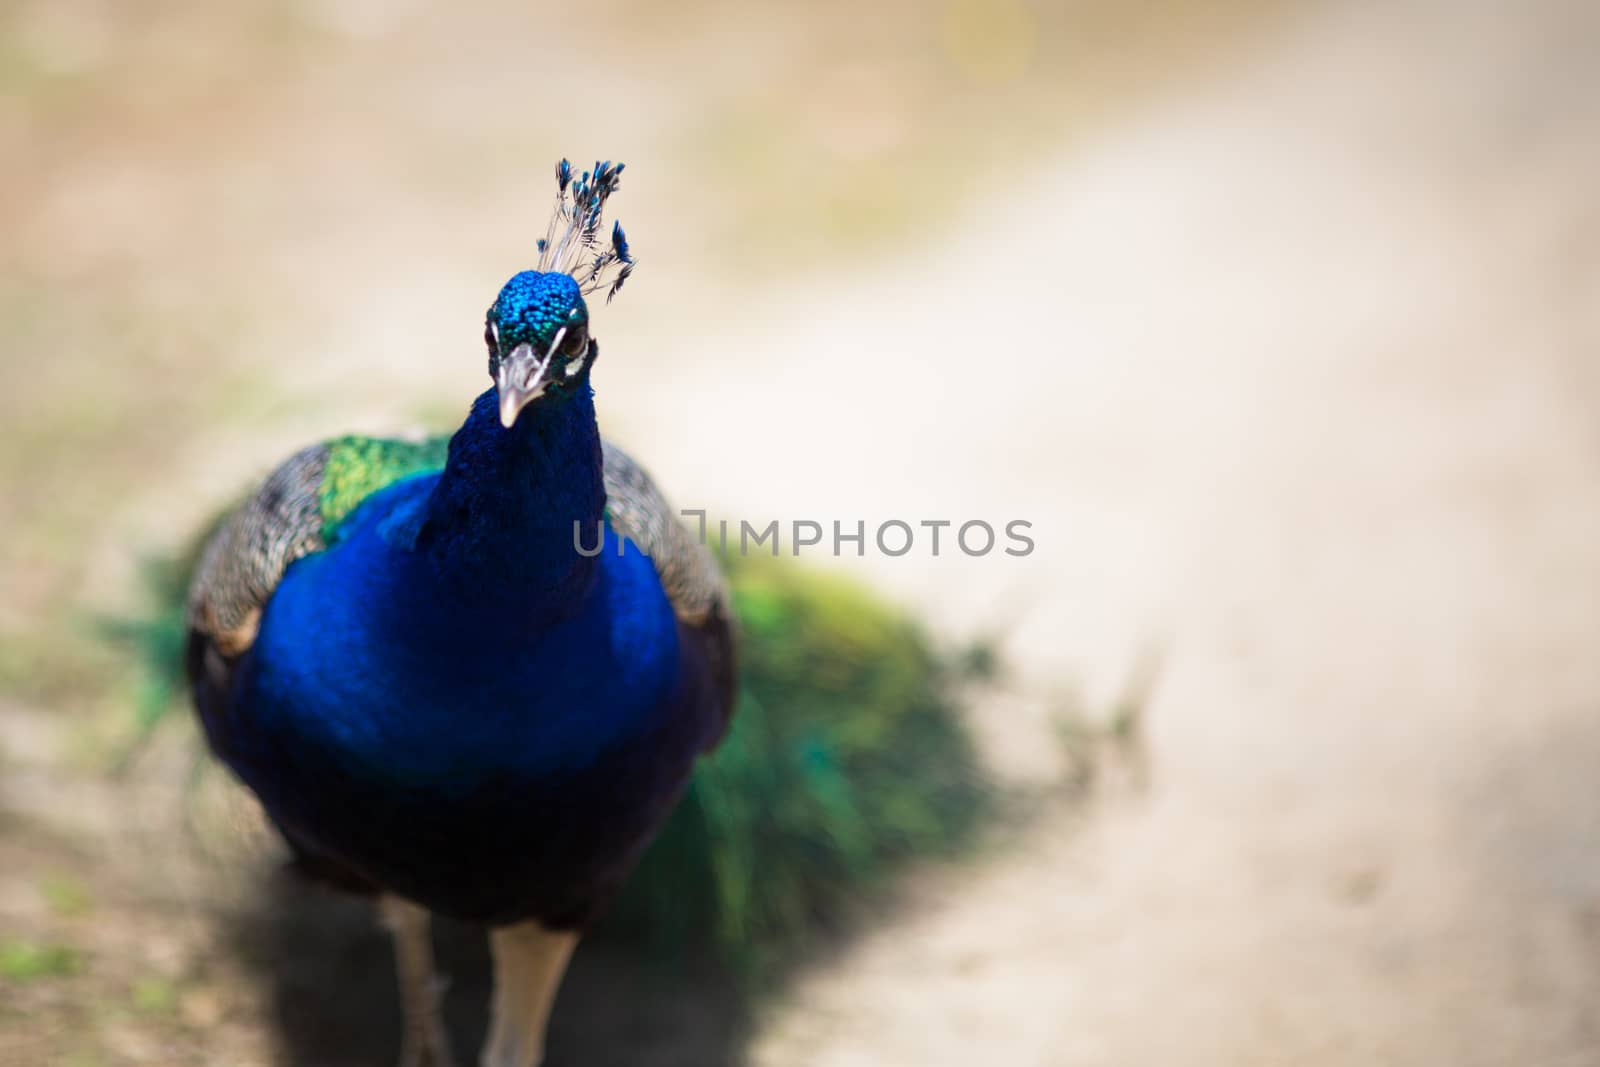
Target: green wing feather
{"type": "Point", "coordinates": [357, 467]}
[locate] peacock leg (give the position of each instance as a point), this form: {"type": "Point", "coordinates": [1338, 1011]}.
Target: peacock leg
{"type": "Point", "coordinates": [528, 964]}
{"type": "Point", "coordinates": [423, 1041]}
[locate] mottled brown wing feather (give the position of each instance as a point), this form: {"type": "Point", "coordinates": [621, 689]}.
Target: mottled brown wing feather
{"type": "Point", "coordinates": [248, 554]}
{"type": "Point", "coordinates": [688, 571]}
{"type": "Point", "coordinates": [238, 570]}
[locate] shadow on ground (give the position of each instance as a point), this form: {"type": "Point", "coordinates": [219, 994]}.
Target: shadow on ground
{"type": "Point", "coordinates": [330, 971]}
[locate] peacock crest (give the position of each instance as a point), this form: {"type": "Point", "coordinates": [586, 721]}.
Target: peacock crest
{"type": "Point", "coordinates": [572, 243]}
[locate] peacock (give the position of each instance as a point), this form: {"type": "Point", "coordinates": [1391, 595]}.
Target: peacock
{"type": "Point", "coordinates": [470, 676]}
{"type": "Point", "coordinates": [473, 680]}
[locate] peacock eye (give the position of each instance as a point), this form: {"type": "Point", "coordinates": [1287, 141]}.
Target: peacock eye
{"type": "Point", "coordinates": [575, 341]}
{"type": "Point", "coordinates": [491, 337]}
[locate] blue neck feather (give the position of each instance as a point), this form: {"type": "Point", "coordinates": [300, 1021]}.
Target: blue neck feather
{"type": "Point", "coordinates": [499, 524]}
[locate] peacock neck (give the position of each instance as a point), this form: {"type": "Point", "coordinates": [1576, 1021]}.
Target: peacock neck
{"type": "Point", "coordinates": [499, 525]}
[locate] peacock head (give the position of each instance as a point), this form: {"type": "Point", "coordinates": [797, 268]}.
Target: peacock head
{"type": "Point", "coordinates": [538, 338]}
{"type": "Point", "coordinates": [538, 328]}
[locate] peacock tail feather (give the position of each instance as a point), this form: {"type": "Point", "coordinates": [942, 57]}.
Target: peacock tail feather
{"type": "Point", "coordinates": [847, 758]}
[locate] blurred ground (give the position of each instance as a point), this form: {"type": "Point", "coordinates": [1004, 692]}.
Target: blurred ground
{"type": "Point", "coordinates": [1279, 326]}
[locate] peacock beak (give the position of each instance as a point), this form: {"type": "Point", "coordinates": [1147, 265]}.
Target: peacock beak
{"type": "Point", "coordinates": [521, 379]}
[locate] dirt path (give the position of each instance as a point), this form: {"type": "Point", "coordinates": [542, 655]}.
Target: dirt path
{"type": "Point", "coordinates": [1308, 389]}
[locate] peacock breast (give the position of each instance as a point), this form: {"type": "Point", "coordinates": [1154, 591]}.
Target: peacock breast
{"type": "Point", "coordinates": [369, 663]}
